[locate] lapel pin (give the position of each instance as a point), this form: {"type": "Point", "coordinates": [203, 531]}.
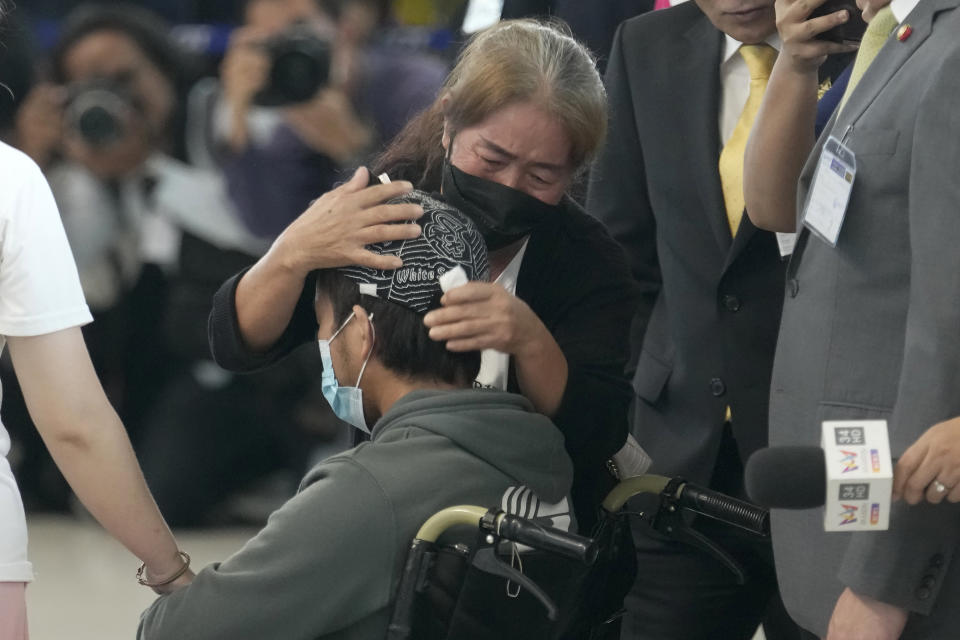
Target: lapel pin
{"type": "Point", "coordinates": [904, 32]}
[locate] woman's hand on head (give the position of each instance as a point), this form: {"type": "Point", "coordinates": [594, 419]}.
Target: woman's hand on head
{"type": "Point", "coordinates": [336, 228]}
{"type": "Point", "coordinates": [483, 315]}
{"type": "Point", "coordinates": [802, 51]}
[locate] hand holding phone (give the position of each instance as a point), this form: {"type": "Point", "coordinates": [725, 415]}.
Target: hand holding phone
{"type": "Point", "coordinates": [850, 31]}
{"type": "Point", "coordinates": [809, 33]}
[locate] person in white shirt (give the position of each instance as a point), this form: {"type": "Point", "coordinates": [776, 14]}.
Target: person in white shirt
{"type": "Point", "coordinates": [41, 310]}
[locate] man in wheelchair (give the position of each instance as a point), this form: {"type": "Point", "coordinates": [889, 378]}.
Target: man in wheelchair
{"type": "Point", "coordinates": [327, 563]}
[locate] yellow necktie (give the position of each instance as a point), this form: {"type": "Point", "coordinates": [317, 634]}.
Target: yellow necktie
{"type": "Point", "coordinates": [759, 59]}
{"type": "Point", "coordinates": [874, 38]}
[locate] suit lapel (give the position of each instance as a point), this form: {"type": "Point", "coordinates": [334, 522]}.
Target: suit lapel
{"type": "Point", "coordinates": [745, 232]}
{"type": "Point", "coordinates": [697, 80]}
{"type": "Point", "coordinates": [892, 56]}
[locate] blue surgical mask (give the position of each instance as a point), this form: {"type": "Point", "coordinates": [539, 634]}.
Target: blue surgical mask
{"type": "Point", "coordinates": [346, 402]}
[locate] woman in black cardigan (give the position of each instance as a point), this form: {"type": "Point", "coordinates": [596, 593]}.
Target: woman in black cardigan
{"type": "Point", "coordinates": [521, 113]}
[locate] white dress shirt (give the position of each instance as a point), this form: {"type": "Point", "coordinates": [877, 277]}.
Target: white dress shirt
{"type": "Point", "coordinates": [495, 365]}
{"type": "Point", "coordinates": [735, 84]}
{"type": "Point", "coordinates": [902, 8]}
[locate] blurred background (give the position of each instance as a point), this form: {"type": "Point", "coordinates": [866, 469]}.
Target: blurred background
{"type": "Point", "coordinates": [180, 137]}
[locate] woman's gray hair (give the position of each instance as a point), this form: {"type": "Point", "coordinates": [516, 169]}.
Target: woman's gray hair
{"type": "Point", "coordinates": [511, 62]}
{"type": "Point", "coordinates": [526, 60]}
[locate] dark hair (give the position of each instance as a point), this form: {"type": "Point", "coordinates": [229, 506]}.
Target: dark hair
{"type": "Point", "coordinates": [16, 64]}
{"type": "Point", "coordinates": [147, 30]}
{"type": "Point", "coordinates": [402, 343]}
{"type": "Point", "coordinates": [151, 34]}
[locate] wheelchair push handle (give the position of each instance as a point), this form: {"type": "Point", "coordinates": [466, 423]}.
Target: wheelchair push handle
{"type": "Point", "coordinates": [538, 536]}
{"type": "Point", "coordinates": [726, 509]}
{"type": "Point", "coordinates": [677, 493]}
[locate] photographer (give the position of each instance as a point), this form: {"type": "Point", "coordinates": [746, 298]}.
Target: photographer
{"type": "Point", "coordinates": [153, 236]}
{"type": "Point", "coordinates": [104, 130]}
{"type": "Point", "coordinates": [285, 135]}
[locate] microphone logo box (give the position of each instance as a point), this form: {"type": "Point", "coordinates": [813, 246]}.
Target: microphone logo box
{"type": "Point", "coordinates": [859, 475]}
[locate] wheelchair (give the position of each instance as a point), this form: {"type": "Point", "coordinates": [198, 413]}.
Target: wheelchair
{"type": "Point", "coordinates": [521, 579]}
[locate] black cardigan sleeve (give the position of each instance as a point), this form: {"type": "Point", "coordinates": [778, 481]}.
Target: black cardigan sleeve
{"type": "Point", "coordinates": [223, 329]}
{"type": "Point", "coordinates": [576, 279]}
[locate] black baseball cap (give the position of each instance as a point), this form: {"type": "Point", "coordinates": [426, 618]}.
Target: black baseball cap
{"type": "Point", "coordinates": [449, 241]}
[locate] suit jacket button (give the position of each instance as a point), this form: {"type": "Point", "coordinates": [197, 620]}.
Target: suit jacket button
{"type": "Point", "coordinates": [936, 561]}
{"type": "Point", "coordinates": [731, 303]}
{"type": "Point", "coordinates": [923, 593]}
{"type": "Point", "coordinates": [717, 387]}
{"type": "Point", "coordinates": [793, 286]}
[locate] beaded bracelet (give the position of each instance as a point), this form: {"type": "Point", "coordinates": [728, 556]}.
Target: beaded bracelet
{"type": "Point", "coordinates": [179, 572]}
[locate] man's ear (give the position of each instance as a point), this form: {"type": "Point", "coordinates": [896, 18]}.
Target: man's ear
{"type": "Point", "coordinates": [367, 332]}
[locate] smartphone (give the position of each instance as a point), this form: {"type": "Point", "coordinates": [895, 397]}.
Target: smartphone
{"type": "Point", "coordinates": [851, 30]}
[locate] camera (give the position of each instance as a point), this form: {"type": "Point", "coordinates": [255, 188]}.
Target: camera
{"type": "Point", "coordinates": [98, 111]}
{"type": "Point", "coordinates": [299, 67]}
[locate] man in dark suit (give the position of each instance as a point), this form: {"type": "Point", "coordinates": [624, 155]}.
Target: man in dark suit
{"type": "Point", "coordinates": [684, 86]}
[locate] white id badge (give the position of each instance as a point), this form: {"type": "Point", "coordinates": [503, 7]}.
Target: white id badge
{"type": "Point", "coordinates": [830, 191]}
{"type": "Point", "coordinates": [786, 242]}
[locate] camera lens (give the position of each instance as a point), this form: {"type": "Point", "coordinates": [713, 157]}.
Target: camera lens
{"type": "Point", "coordinates": [96, 112]}
{"type": "Point", "coordinates": [98, 126]}
{"type": "Point", "coordinates": [299, 67]}
{"type": "Point", "coordinates": [298, 75]}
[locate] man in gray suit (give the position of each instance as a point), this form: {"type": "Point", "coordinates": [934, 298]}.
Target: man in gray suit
{"type": "Point", "coordinates": [870, 326]}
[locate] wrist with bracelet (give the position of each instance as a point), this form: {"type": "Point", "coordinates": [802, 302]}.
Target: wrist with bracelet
{"type": "Point", "coordinates": [142, 578]}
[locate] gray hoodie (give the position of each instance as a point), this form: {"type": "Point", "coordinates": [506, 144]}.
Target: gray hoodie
{"type": "Point", "coordinates": [327, 563]}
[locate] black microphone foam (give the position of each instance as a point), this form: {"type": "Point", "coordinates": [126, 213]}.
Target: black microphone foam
{"type": "Point", "coordinates": [787, 477]}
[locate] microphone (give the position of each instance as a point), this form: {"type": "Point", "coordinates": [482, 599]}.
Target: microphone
{"type": "Point", "coordinates": [851, 475]}
{"type": "Point", "coordinates": [787, 477]}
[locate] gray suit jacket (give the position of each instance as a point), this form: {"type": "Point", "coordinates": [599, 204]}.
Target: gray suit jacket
{"type": "Point", "coordinates": [871, 329]}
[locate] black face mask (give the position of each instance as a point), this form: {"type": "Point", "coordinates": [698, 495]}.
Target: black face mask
{"type": "Point", "coordinates": [502, 214]}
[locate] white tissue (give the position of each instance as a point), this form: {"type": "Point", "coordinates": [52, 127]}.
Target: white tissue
{"type": "Point", "coordinates": [453, 278]}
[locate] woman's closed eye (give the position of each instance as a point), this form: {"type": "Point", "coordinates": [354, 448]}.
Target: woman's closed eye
{"type": "Point", "coordinates": [541, 180]}
{"type": "Point", "coordinates": [493, 162]}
